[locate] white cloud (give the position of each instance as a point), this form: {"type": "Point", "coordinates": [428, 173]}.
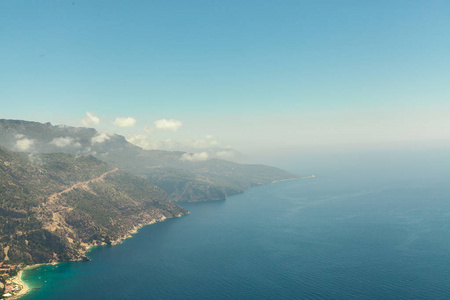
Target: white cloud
{"type": "Point", "coordinates": [90, 119]}
{"type": "Point", "coordinates": [35, 160]}
{"type": "Point", "coordinates": [171, 124]}
{"type": "Point", "coordinates": [24, 144]}
{"type": "Point", "coordinates": [146, 141]}
{"type": "Point", "coordinates": [202, 156]}
{"type": "Point", "coordinates": [143, 141]}
{"type": "Point", "coordinates": [225, 154]}
{"type": "Point", "coordinates": [125, 122]}
{"type": "Point", "coordinates": [100, 138]}
{"type": "Point", "coordinates": [211, 140]}
{"type": "Point", "coordinates": [65, 142]}
{"type": "Point", "coordinates": [19, 136]}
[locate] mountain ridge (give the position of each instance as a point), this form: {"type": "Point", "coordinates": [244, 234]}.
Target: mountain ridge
{"type": "Point", "coordinates": [183, 180]}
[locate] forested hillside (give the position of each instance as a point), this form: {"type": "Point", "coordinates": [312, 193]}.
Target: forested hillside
{"type": "Point", "coordinates": [53, 207]}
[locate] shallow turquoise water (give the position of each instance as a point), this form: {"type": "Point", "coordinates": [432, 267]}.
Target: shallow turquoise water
{"type": "Point", "coordinates": [368, 231]}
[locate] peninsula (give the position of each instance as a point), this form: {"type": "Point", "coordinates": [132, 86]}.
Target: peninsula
{"type": "Point", "coordinates": [59, 200]}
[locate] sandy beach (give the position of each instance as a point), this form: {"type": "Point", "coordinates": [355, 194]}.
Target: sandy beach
{"type": "Point", "coordinates": [23, 287]}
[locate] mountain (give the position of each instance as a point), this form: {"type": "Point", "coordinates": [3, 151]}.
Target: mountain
{"type": "Point", "coordinates": [53, 207]}
{"type": "Point", "coordinates": [182, 175]}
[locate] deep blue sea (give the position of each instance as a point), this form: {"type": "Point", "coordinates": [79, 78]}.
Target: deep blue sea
{"type": "Point", "coordinates": [372, 226]}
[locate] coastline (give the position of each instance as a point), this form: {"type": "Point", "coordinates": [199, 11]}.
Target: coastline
{"type": "Point", "coordinates": [131, 232]}
{"type": "Point", "coordinates": [24, 289]}
{"type": "Point", "coordinates": [88, 247]}
{"type": "Point", "coordinates": [295, 178]}
{"type": "Point", "coordinates": [91, 246]}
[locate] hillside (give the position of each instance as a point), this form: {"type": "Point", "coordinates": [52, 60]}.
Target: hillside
{"type": "Point", "coordinates": [183, 180]}
{"type": "Point", "coordinates": [53, 207]}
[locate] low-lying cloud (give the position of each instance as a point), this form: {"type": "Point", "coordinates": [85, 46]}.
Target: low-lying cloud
{"type": "Point", "coordinates": [165, 124]}
{"type": "Point", "coordinates": [24, 144]}
{"type": "Point", "coordinates": [90, 119]}
{"type": "Point", "coordinates": [143, 141]}
{"type": "Point", "coordinates": [225, 154]}
{"type": "Point", "coordinates": [65, 142]}
{"type": "Point", "coordinates": [201, 156]}
{"type": "Point", "coordinates": [125, 122]}
{"type": "Point", "coordinates": [35, 159]}
{"type": "Point", "coordinates": [209, 144]}
{"type": "Point", "coordinates": [100, 138]}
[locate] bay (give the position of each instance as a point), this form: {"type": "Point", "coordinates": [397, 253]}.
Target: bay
{"type": "Point", "coordinates": [373, 229]}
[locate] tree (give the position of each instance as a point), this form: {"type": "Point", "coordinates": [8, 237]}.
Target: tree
{"type": "Point", "coordinates": [13, 272]}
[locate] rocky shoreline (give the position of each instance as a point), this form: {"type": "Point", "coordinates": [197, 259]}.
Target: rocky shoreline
{"type": "Point", "coordinates": [24, 289]}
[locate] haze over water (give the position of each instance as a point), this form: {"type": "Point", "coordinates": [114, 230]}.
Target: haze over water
{"type": "Point", "coordinates": [372, 226]}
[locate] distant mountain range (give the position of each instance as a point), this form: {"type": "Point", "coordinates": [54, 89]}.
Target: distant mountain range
{"type": "Point", "coordinates": [183, 176]}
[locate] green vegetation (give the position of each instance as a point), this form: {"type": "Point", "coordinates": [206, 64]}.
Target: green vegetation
{"type": "Point", "coordinates": [53, 206]}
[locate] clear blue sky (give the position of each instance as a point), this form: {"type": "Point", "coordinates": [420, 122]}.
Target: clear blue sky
{"type": "Point", "coordinates": [255, 74]}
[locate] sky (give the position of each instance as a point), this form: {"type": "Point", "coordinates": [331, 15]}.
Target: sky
{"type": "Point", "coordinates": [262, 77]}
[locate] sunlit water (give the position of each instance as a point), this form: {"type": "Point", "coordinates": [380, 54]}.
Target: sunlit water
{"type": "Point", "coordinates": [375, 229]}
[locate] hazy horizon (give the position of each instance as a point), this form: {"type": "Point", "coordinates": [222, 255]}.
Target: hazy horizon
{"type": "Point", "coordinates": [264, 78]}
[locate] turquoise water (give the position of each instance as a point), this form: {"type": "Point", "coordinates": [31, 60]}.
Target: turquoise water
{"type": "Point", "coordinates": [370, 227]}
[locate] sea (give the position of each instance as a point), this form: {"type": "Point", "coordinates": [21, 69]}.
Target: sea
{"type": "Point", "coordinates": [372, 225]}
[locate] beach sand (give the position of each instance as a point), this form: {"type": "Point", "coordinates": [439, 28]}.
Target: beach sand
{"type": "Point", "coordinates": [24, 288]}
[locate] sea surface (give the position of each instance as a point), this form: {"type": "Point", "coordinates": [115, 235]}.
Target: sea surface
{"type": "Point", "coordinates": [373, 226]}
